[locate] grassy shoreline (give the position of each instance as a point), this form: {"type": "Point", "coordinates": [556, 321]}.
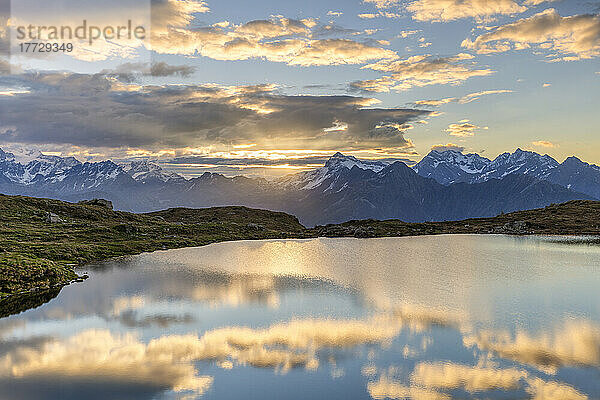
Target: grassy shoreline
{"type": "Point", "coordinates": [41, 240]}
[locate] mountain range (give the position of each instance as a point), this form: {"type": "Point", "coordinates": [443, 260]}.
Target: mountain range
{"type": "Point", "coordinates": [443, 186]}
{"type": "Point", "coordinates": [451, 166]}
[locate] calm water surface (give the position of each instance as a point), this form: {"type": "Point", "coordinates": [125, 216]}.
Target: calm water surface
{"type": "Point", "coordinates": [441, 317]}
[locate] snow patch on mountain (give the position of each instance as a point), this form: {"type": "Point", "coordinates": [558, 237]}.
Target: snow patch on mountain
{"type": "Point", "coordinates": [27, 167]}
{"type": "Point", "coordinates": [145, 171]}
{"type": "Point", "coordinates": [451, 166]}
{"type": "Point", "coordinates": [522, 162]}
{"type": "Point", "coordinates": [314, 178]}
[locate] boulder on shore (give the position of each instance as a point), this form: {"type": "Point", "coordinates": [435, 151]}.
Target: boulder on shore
{"type": "Point", "coordinates": [52, 218]}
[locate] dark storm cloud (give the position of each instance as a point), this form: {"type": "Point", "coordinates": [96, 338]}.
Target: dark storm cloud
{"type": "Point", "coordinates": [100, 110]}
{"type": "Point", "coordinates": [130, 72]}
{"type": "Point", "coordinates": [164, 69]}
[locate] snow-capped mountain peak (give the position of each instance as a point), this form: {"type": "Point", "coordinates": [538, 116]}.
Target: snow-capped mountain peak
{"type": "Point", "coordinates": [29, 166]}
{"type": "Point", "coordinates": [5, 156]}
{"type": "Point", "coordinates": [469, 163]}
{"type": "Point", "coordinates": [451, 166]}
{"type": "Point", "coordinates": [33, 168]}
{"type": "Point", "coordinates": [338, 160]}
{"type": "Point", "coordinates": [333, 166]}
{"type": "Point", "coordinates": [521, 162]}
{"type": "Point", "coordinates": [145, 171]}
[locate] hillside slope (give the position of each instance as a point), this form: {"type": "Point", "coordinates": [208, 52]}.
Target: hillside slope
{"type": "Point", "coordinates": [577, 217]}
{"type": "Point", "coordinates": [41, 239]}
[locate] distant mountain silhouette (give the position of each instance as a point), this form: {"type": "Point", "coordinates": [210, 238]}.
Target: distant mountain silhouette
{"type": "Point", "coordinates": [443, 186]}
{"type": "Point", "coordinates": [453, 167]}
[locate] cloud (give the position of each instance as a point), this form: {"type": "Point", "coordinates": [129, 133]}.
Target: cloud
{"type": "Point", "coordinates": [448, 146]}
{"type": "Point", "coordinates": [544, 143]}
{"type": "Point", "coordinates": [109, 13]}
{"type": "Point", "coordinates": [463, 129]}
{"type": "Point", "coordinates": [462, 100]}
{"type": "Point", "coordinates": [382, 3]}
{"type": "Point", "coordinates": [575, 343]}
{"type": "Point", "coordinates": [380, 14]}
{"type": "Point", "coordinates": [423, 43]}
{"type": "Point", "coordinates": [166, 13]}
{"type": "Point", "coordinates": [546, 85]}
{"type": "Point", "coordinates": [476, 96]}
{"type": "Point", "coordinates": [383, 84]}
{"type": "Point", "coordinates": [335, 13]}
{"type": "Point", "coordinates": [337, 52]}
{"type": "Point", "coordinates": [405, 34]}
{"type": "Point", "coordinates": [537, 2]}
{"type": "Point", "coordinates": [130, 72]}
{"type": "Point", "coordinates": [436, 103]}
{"type": "Point", "coordinates": [449, 10]}
{"type": "Point", "coordinates": [101, 111]}
{"type": "Point", "coordinates": [164, 69]}
{"type": "Point", "coordinates": [278, 39]}
{"type": "Point", "coordinates": [423, 70]}
{"type": "Point", "coordinates": [269, 29]}
{"type": "Point", "coordinates": [572, 38]}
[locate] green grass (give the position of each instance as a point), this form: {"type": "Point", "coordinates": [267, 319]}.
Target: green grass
{"type": "Point", "coordinates": [37, 254]}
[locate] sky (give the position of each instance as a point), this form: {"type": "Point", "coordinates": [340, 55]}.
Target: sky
{"type": "Point", "coordinates": [270, 87]}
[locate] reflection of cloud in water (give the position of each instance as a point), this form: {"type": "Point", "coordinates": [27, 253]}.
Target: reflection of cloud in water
{"type": "Point", "coordinates": [575, 343]}
{"type": "Point", "coordinates": [123, 363]}
{"type": "Point", "coordinates": [168, 361]}
{"type": "Point", "coordinates": [543, 390]}
{"type": "Point", "coordinates": [126, 303]}
{"type": "Point", "coordinates": [98, 355]}
{"type": "Point", "coordinates": [238, 290]}
{"type": "Point", "coordinates": [430, 381]}
{"type": "Point", "coordinates": [388, 388]}
{"type": "Point", "coordinates": [131, 319]}
{"type": "Point", "coordinates": [128, 310]}
{"type": "Point", "coordinates": [163, 288]}
{"type": "Point", "coordinates": [471, 379]}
